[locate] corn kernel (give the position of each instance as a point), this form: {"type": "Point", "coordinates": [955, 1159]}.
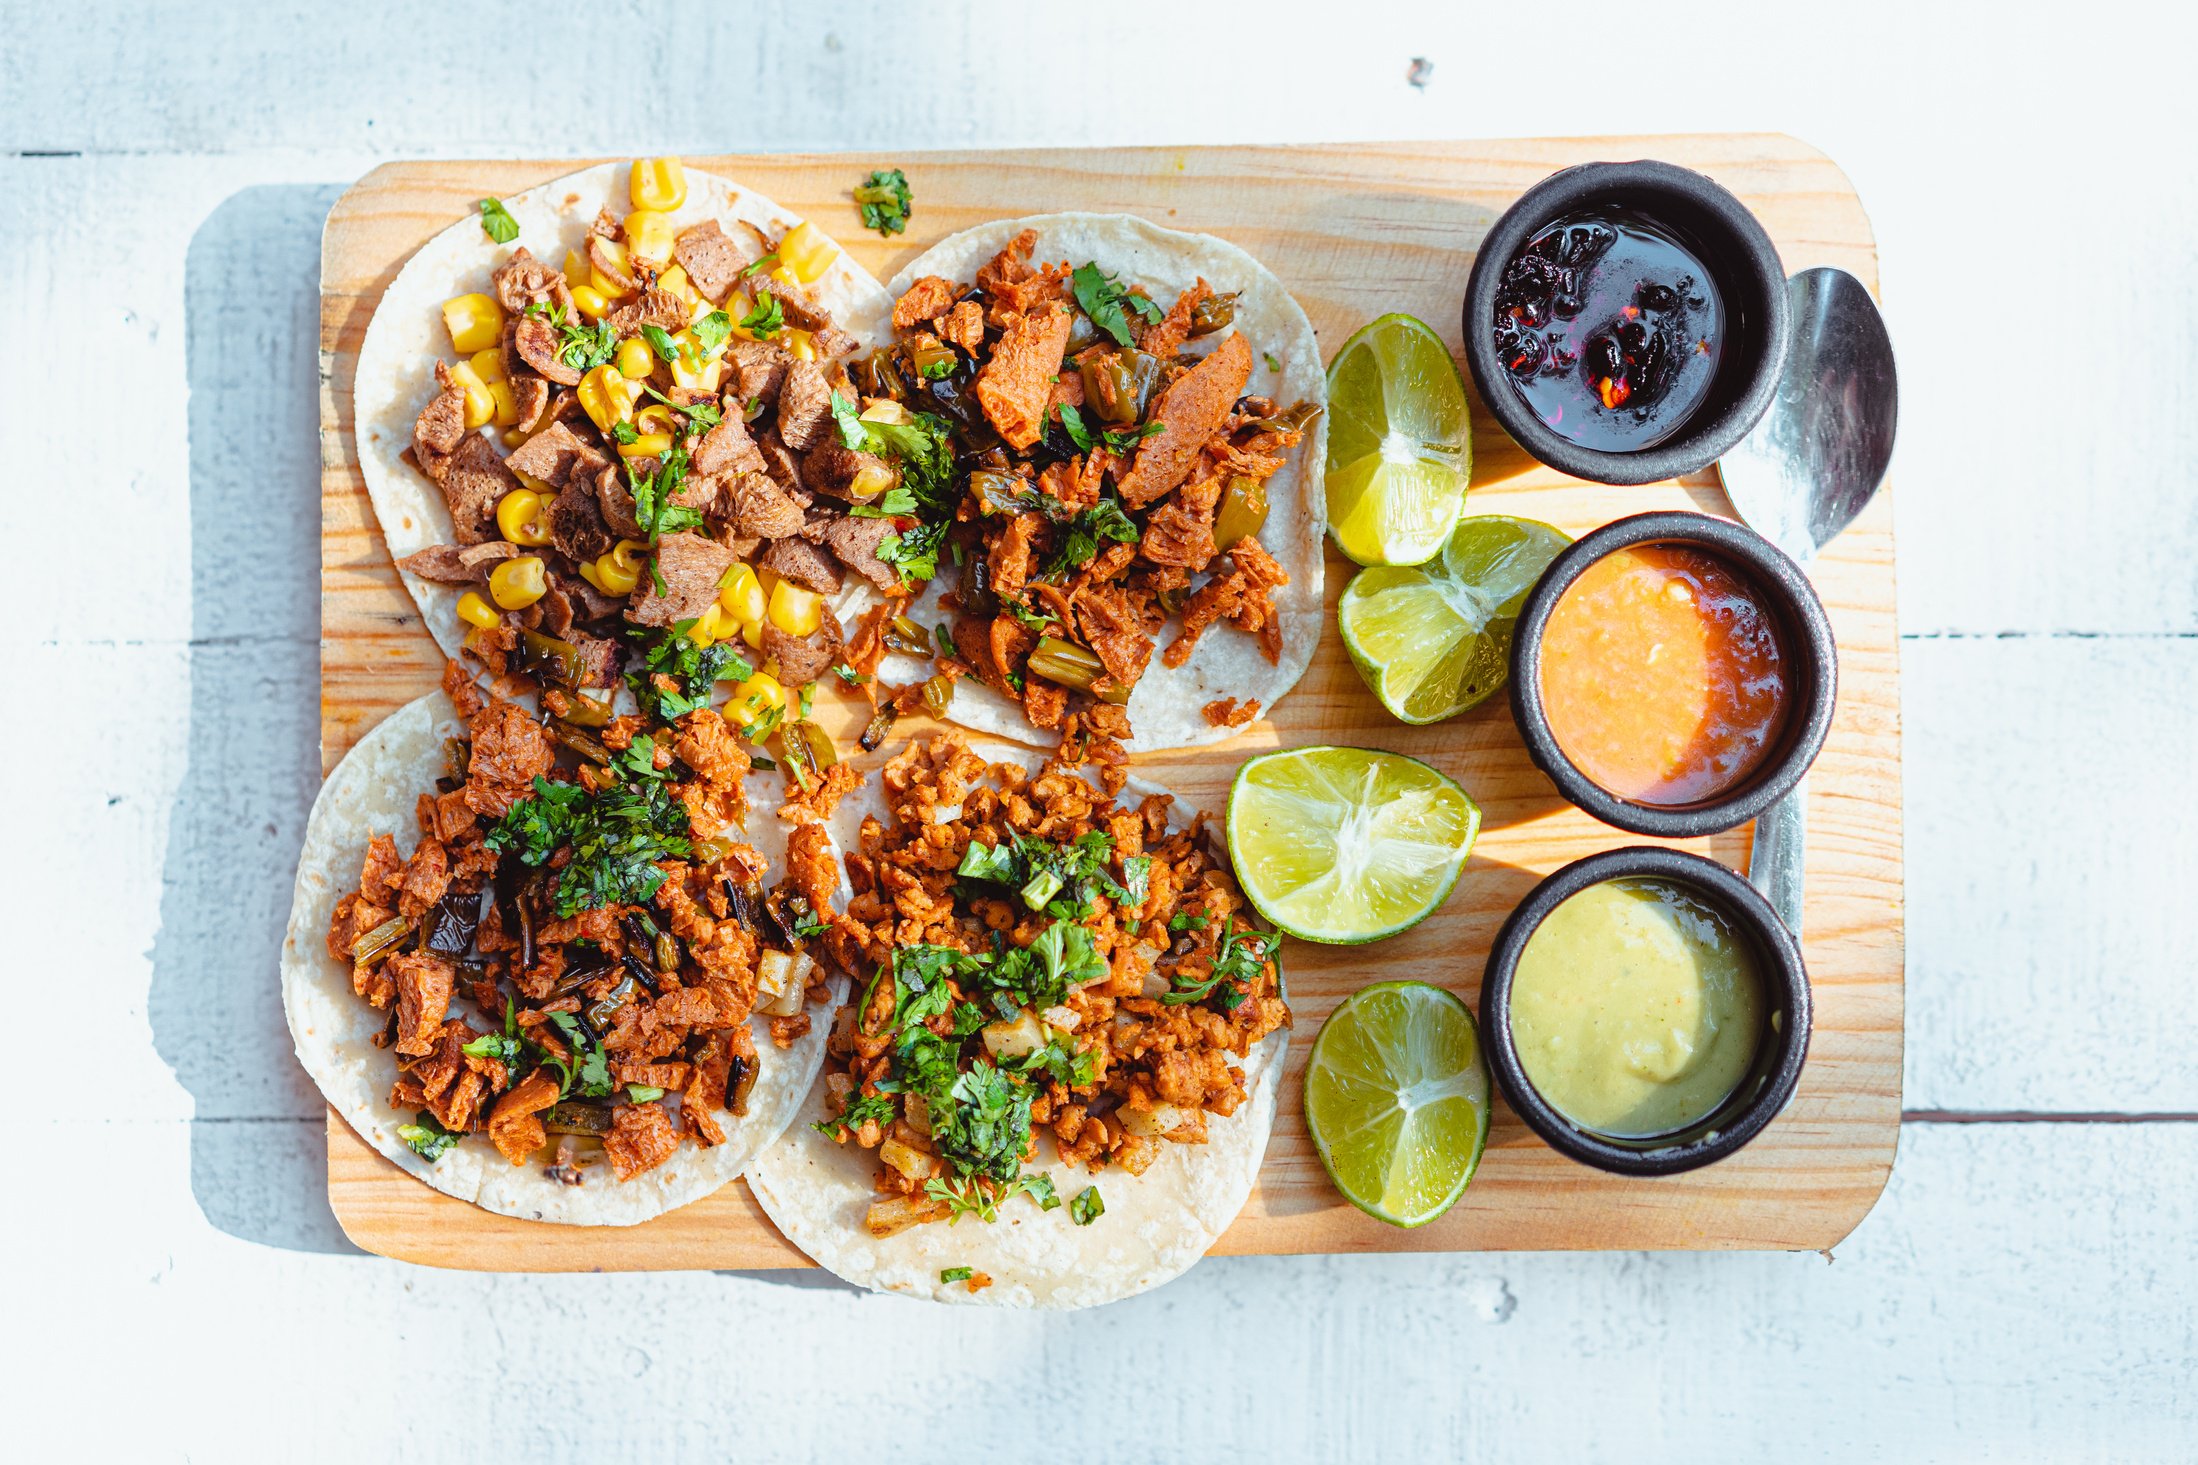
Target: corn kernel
{"type": "Point", "coordinates": [767, 578]}
{"type": "Point", "coordinates": [870, 480]}
{"type": "Point", "coordinates": [700, 376]}
{"type": "Point", "coordinates": [475, 611]}
{"type": "Point", "coordinates": [800, 345]}
{"type": "Point", "coordinates": [646, 445]}
{"type": "Point", "coordinates": [741, 593]}
{"type": "Point", "coordinates": [578, 271]}
{"type": "Point", "coordinates": [590, 302]}
{"type": "Point", "coordinates": [752, 633]}
{"type": "Point", "coordinates": [628, 554]}
{"type": "Point", "coordinates": [480, 402]}
{"type": "Point", "coordinates": [657, 183]}
{"type": "Point", "coordinates": [656, 417]}
{"type": "Point", "coordinates": [676, 282]}
{"type": "Point", "coordinates": [517, 584]}
{"type": "Point", "coordinates": [649, 236]}
{"type": "Point", "coordinates": [807, 251]}
{"type": "Point", "coordinates": [785, 276]}
{"type": "Point", "coordinates": [794, 610]}
{"type": "Point", "coordinates": [594, 577]}
{"type": "Point", "coordinates": [545, 489]}
{"type": "Point", "coordinates": [634, 359]}
{"type": "Point", "coordinates": [507, 405]}
{"type": "Point", "coordinates": [488, 365]}
{"type": "Point", "coordinates": [761, 691]}
{"type": "Point", "coordinates": [522, 516]}
{"type": "Point", "coordinates": [604, 396]}
{"type": "Point", "coordinates": [611, 576]}
{"type": "Point", "coordinates": [603, 280]}
{"type": "Point", "coordinates": [475, 322]}
{"type": "Point", "coordinates": [709, 627]}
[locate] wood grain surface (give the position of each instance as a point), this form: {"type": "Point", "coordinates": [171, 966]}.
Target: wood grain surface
{"type": "Point", "coordinates": [1354, 231]}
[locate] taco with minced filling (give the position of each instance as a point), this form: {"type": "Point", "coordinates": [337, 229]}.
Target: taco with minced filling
{"type": "Point", "coordinates": [567, 974]}
{"type": "Point", "coordinates": [1054, 1078]}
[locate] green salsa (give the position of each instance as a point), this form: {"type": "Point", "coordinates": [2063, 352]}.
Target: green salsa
{"type": "Point", "coordinates": [1636, 1008]}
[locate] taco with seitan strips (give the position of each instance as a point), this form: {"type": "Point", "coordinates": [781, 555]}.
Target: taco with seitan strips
{"type": "Point", "coordinates": [1132, 545]}
{"type": "Point", "coordinates": [1054, 1079]}
{"type": "Point", "coordinates": [597, 409]}
{"type": "Point", "coordinates": [567, 975]}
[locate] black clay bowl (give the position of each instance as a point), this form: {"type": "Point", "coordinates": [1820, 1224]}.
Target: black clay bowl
{"type": "Point", "coordinates": [1811, 661]}
{"type": "Point", "coordinates": [1741, 261]}
{"type": "Point", "coordinates": [1780, 1050]}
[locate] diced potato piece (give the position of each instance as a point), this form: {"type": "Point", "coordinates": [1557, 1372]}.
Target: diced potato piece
{"type": "Point", "coordinates": [1151, 1123]}
{"type": "Point", "coordinates": [1017, 1039]}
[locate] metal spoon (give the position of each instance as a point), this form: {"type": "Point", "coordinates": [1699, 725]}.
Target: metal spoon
{"type": "Point", "coordinates": [1810, 466]}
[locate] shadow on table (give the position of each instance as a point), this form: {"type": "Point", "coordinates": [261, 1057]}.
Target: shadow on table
{"type": "Point", "coordinates": [251, 340]}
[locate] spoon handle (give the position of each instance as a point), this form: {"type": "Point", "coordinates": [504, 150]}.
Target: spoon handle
{"type": "Point", "coordinates": [1775, 858]}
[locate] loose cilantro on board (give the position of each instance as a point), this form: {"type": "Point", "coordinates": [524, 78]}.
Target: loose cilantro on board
{"type": "Point", "coordinates": [886, 202]}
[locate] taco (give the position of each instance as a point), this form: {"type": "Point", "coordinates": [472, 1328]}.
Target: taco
{"type": "Point", "coordinates": [564, 988]}
{"type": "Point", "coordinates": [1133, 547]}
{"type": "Point", "coordinates": [1054, 1085]}
{"type": "Point", "coordinates": [599, 423]}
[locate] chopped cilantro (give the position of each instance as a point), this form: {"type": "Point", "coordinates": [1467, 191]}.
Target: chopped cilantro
{"type": "Point", "coordinates": [427, 1138]}
{"type": "Point", "coordinates": [1101, 522]}
{"type": "Point", "coordinates": [953, 1274]}
{"type": "Point", "coordinates": [767, 319]}
{"type": "Point", "coordinates": [498, 224]}
{"type": "Point", "coordinates": [616, 837]}
{"type": "Point", "coordinates": [937, 369]}
{"type": "Point", "coordinates": [582, 345]}
{"type": "Point", "coordinates": [861, 1109]}
{"type": "Point", "coordinates": [1238, 958]}
{"type": "Point", "coordinates": [915, 552]}
{"type": "Point", "coordinates": [693, 669]}
{"type": "Point", "coordinates": [593, 1076]}
{"type": "Point", "coordinates": [652, 483]}
{"type": "Point", "coordinates": [849, 675]}
{"type": "Point", "coordinates": [1103, 299]}
{"type": "Point", "coordinates": [1086, 1206]}
{"type": "Point", "coordinates": [1072, 421]}
{"type": "Point", "coordinates": [885, 201]}
{"type": "Point", "coordinates": [897, 502]}
{"type": "Point", "coordinates": [919, 446]}
{"type": "Point", "coordinates": [499, 1046]}
{"type": "Point", "coordinates": [710, 332]}
{"type": "Point", "coordinates": [1269, 358]}
{"type": "Point", "coordinates": [1187, 921]}
{"type": "Point", "coordinates": [624, 432]}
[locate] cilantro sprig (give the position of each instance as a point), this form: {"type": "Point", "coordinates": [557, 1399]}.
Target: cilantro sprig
{"type": "Point", "coordinates": [1072, 421]}
{"type": "Point", "coordinates": [427, 1138]}
{"type": "Point", "coordinates": [1106, 301]}
{"type": "Point", "coordinates": [1102, 523]}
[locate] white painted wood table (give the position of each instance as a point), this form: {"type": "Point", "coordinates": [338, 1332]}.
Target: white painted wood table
{"type": "Point", "coordinates": [177, 1288]}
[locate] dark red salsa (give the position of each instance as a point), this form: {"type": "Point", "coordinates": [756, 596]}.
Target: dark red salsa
{"type": "Point", "coordinates": [1610, 329]}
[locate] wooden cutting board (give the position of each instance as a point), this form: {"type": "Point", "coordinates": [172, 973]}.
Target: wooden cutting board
{"type": "Point", "coordinates": [1354, 231]}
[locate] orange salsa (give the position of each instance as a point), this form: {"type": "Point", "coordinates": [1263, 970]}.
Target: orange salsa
{"type": "Point", "coordinates": [1662, 677]}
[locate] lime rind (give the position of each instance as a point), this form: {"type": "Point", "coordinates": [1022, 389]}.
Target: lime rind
{"type": "Point", "coordinates": [1397, 1101]}
{"type": "Point", "coordinates": [1343, 846]}
{"type": "Point", "coordinates": [1433, 640]}
{"type": "Point", "coordinates": [1400, 443]}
